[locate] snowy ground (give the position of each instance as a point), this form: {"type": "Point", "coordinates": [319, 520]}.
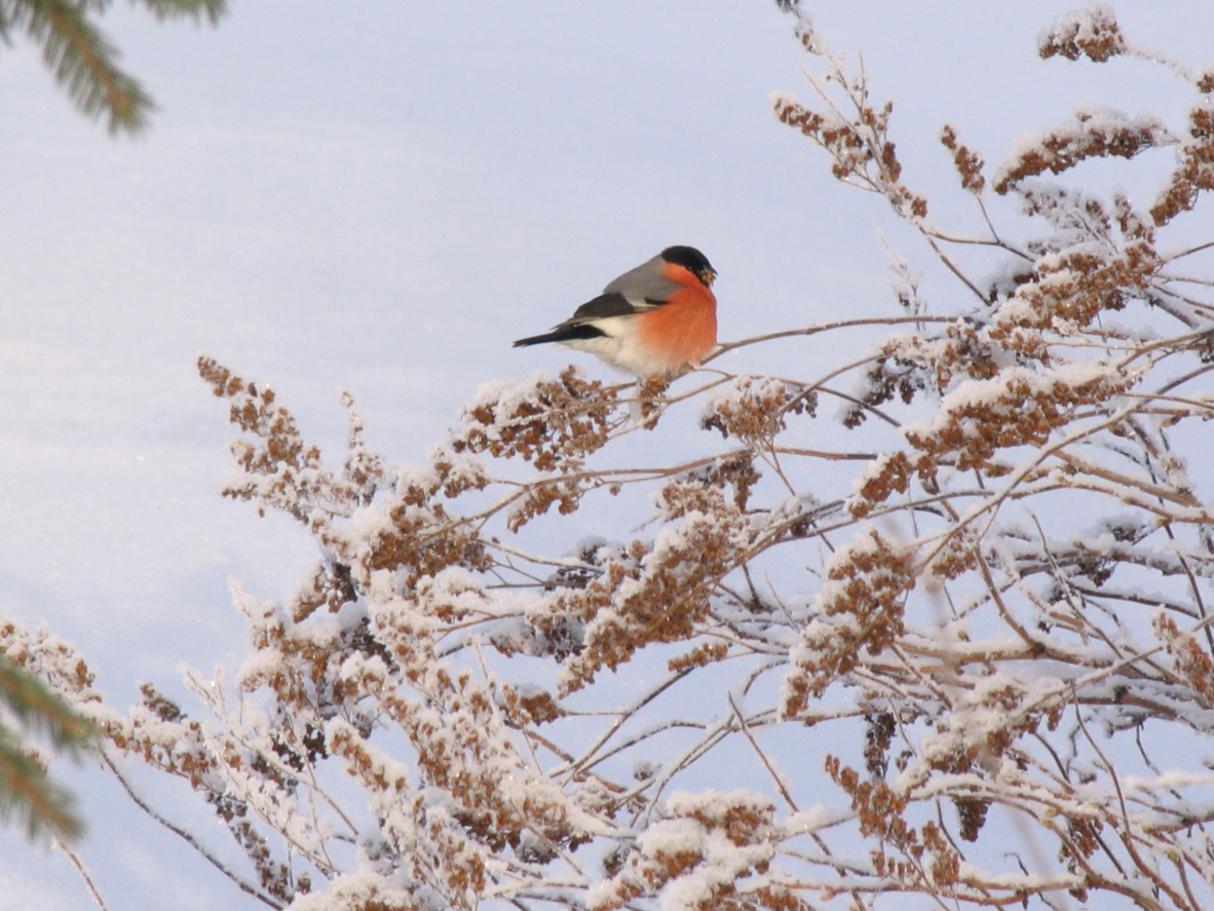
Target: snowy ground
{"type": "Point", "coordinates": [380, 199]}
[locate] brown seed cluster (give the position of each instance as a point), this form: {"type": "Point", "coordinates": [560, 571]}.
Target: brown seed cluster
{"type": "Point", "coordinates": [1195, 172]}
{"type": "Point", "coordinates": [1017, 408]}
{"type": "Point", "coordinates": [907, 364]}
{"type": "Point", "coordinates": [735, 470]}
{"type": "Point", "coordinates": [553, 425]}
{"type": "Point", "coordinates": [1192, 662]}
{"type": "Point", "coordinates": [860, 149]}
{"type": "Point", "coordinates": [1091, 33]}
{"type": "Point", "coordinates": [860, 609]}
{"type": "Point", "coordinates": [706, 849]}
{"type": "Point", "coordinates": [967, 162]}
{"type": "Point", "coordinates": [1092, 134]}
{"type": "Point", "coordinates": [280, 471]}
{"type": "Point", "coordinates": [666, 593]}
{"type": "Point", "coordinates": [1073, 287]}
{"type": "Point", "coordinates": [754, 409]}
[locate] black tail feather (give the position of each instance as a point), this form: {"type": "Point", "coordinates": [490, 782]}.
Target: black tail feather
{"type": "Point", "coordinates": [562, 334]}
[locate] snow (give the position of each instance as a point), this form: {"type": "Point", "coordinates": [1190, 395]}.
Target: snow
{"type": "Point", "coordinates": [716, 805]}
{"type": "Point", "coordinates": [813, 818]}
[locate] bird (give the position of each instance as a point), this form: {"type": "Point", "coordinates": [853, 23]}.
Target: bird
{"type": "Point", "coordinates": [652, 321]}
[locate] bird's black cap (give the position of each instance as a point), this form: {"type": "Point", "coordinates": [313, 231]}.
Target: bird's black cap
{"type": "Point", "coordinates": [690, 258]}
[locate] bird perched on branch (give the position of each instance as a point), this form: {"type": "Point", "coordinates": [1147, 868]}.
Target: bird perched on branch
{"type": "Point", "coordinates": [653, 321]}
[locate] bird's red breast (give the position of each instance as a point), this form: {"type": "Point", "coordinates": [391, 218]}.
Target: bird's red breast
{"type": "Point", "coordinates": [684, 329]}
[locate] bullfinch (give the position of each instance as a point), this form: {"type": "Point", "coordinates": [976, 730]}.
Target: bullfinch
{"type": "Point", "coordinates": [653, 321]}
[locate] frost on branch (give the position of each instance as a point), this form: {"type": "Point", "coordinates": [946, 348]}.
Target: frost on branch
{"type": "Point", "coordinates": [948, 643]}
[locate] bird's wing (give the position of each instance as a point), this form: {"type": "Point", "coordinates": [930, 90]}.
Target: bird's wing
{"type": "Point", "coordinates": [644, 283]}
{"type": "Point", "coordinates": [608, 305]}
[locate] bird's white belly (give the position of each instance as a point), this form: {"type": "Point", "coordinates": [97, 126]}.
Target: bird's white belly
{"type": "Point", "coordinates": [620, 348]}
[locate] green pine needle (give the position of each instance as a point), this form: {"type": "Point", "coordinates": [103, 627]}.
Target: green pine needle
{"type": "Point", "coordinates": [211, 10]}
{"type": "Point", "coordinates": [42, 710]}
{"type": "Point", "coordinates": [25, 788]}
{"type": "Point", "coordinates": [83, 60]}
